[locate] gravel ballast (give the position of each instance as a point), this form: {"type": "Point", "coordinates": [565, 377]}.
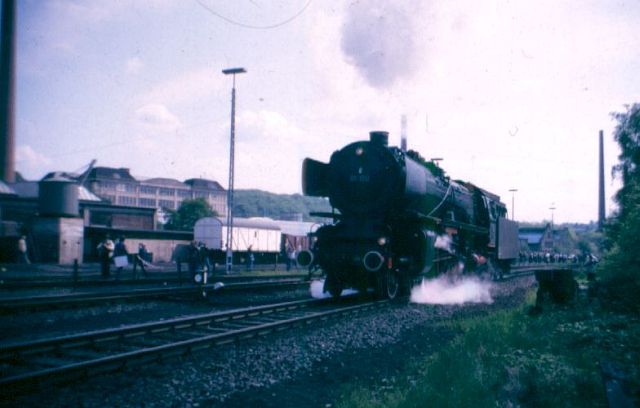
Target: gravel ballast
{"type": "Point", "coordinates": [307, 367]}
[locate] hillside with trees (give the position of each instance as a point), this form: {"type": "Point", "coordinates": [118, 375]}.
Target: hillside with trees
{"type": "Point", "coordinates": [257, 203]}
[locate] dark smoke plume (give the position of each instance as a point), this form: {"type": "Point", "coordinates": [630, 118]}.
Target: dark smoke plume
{"type": "Point", "coordinates": [378, 38]}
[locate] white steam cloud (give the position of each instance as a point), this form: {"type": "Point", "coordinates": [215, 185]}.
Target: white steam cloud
{"type": "Point", "coordinates": [444, 242]}
{"type": "Point", "coordinates": [318, 285]}
{"type": "Point", "coordinates": [444, 292]}
{"type": "Point", "coordinates": [378, 39]}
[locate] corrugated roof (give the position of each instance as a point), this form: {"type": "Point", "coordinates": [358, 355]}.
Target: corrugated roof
{"type": "Point", "coordinates": [5, 189]}
{"type": "Point", "coordinates": [86, 195]}
{"type": "Point", "coordinates": [258, 222]}
{"type": "Point", "coordinates": [110, 173]}
{"type": "Point", "coordinates": [296, 228]}
{"type": "Point", "coordinates": [204, 183]}
{"type": "Point", "coordinates": [163, 182]}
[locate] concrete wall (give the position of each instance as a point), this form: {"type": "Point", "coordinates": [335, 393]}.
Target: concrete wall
{"type": "Point", "coordinates": [161, 249]}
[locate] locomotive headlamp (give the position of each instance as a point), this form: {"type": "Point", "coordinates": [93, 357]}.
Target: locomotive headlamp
{"type": "Point", "coordinates": [382, 241]}
{"type": "Point", "coordinates": [359, 151]}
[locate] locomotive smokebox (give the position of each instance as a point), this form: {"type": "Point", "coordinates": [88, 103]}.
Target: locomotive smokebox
{"type": "Point", "coordinates": [379, 137]}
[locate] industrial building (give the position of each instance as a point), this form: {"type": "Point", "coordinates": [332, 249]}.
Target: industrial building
{"type": "Point", "coordinates": [64, 216]}
{"type": "Point", "coordinates": [119, 187]}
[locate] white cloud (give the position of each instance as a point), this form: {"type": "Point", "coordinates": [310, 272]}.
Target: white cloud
{"type": "Point", "coordinates": [157, 117]}
{"type": "Point", "coordinates": [134, 65]}
{"type": "Point", "coordinates": [30, 162]}
{"type": "Point", "coordinates": [269, 152]}
{"type": "Point", "coordinates": [186, 88]}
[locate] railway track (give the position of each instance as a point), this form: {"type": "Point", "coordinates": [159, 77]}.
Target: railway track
{"type": "Point", "coordinates": [23, 365]}
{"type": "Point", "coordinates": [66, 282]}
{"type": "Point", "coordinates": [79, 299]}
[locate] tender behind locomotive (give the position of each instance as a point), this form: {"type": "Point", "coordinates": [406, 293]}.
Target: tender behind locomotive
{"type": "Point", "coordinates": [399, 218]}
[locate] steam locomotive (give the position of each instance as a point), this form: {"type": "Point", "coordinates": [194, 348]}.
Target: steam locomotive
{"type": "Point", "coordinates": [397, 217]}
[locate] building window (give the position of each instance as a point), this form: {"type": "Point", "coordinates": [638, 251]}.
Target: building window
{"type": "Point", "coordinates": [107, 185]}
{"type": "Point", "coordinates": [109, 198]}
{"type": "Point", "coordinates": [148, 190]}
{"type": "Point", "coordinates": [147, 202]}
{"type": "Point", "coordinates": [184, 193]}
{"type": "Point", "coordinates": [126, 200]}
{"type": "Point", "coordinates": [167, 191]}
{"type": "Point", "coordinates": [130, 188]}
{"type": "Point", "coordinates": [201, 194]}
{"type": "Point", "coordinates": [167, 204]}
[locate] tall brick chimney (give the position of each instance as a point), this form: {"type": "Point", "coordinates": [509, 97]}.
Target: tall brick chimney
{"type": "Point", "coordinates": [601, 213]}
{"type": "Point", "coordinates": [7, 92]}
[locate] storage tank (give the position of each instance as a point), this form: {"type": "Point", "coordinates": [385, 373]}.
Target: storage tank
{"type": "Point", "coordinates": [58, 197]}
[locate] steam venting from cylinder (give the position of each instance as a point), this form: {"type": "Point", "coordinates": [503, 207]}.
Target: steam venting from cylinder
{"type": "Point", "coordinates": [379, 137]}
{"type": "Point", "coordinates": [373, 261]}
{"type": "Point", "coordinates": [304, 258]}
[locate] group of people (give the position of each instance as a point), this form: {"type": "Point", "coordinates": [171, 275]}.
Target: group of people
{"type": "Point", "coordinates": [117, 253]}
{"type": "Point", "coordinates": [549, 258]}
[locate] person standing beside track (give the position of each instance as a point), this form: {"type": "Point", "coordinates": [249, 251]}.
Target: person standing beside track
{"type": "Point", "coordinates": [105, 251]}
{"type": "Point", "coordinates": [119, 252]}
{"type": "Point", "coordinates": [193, 259]}
{"type": "Point", "coordinates": [250, 258]}
{"type": "Point", "coordinates": [139, 260]}
{"type": "Point", "coordinates": [23, 256]}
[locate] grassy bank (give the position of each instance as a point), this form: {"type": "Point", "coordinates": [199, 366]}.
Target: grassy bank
{"type": "Point", "coordinates": [513, 359]}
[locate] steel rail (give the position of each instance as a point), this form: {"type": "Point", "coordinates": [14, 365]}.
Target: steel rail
{"type": "Point", "coordinates": [57, 301]}
{"type": "Point", "coordinates": [94, 281]}
{"type": "Point", "coordinates": [192, 333]}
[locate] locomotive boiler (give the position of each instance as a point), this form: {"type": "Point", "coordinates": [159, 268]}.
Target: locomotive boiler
{"type": "Point", "coordinates": [397, 217]}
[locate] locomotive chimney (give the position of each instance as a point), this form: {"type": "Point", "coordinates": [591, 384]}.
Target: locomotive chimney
{"type": "Point", "coordinates": [403, 133]}
{"type": "Point", "coordinates": [379, 137]}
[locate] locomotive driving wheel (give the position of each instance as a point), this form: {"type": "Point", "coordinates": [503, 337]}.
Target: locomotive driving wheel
{"type": "Point", "coordinates": [333, 285]}
{"type": "Point", "coordinates": [389, 284]}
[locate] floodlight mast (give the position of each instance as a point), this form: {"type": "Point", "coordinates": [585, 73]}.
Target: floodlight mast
{"type": "Point", "coordinates": [229, 249]}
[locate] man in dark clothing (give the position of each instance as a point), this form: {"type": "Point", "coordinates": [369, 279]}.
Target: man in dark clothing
{"type": "Point", "coordinates": [250, 258]}
{"type": "Point", "coordinates": [139, 260]}
{"type": "Point", "coordinates": [105, 251]}
{"type": "Point", "coordinates": [120, 251]}
{"type": "Point", "coordinates": [203, 255]}
{"type": "Point", "coordinates": [193, 259]}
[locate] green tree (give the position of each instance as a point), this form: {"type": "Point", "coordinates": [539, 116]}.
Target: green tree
{"type": "Point", "coordinates": [621, 267]}
{"type": "Point", "coordinates": [189, 212]}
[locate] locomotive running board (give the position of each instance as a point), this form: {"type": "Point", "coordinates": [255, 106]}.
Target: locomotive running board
{"type": "Point", "coordinates": [466, 227]}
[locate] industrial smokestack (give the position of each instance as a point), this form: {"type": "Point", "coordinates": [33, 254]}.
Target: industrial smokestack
{"type": "Point", "coordinates": [601, 185]}
{"type": "Point", "coordinates": [403, 133]}
{"type": "Point", "coordinates": [7, 92]}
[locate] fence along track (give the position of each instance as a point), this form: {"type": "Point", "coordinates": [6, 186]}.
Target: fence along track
{"type": "Point", "coordinates": [26, 364]}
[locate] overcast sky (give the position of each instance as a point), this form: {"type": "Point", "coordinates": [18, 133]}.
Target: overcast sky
{"type": "Point", "coordinates": [511, 94]}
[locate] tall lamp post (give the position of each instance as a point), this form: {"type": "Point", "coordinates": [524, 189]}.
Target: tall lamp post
{"type": "Point", "coordinates": [552, 208]}
{"type": "Point", "coordinates": [513, 203]}
{"type": "Point", "coordinates": [232, 72]}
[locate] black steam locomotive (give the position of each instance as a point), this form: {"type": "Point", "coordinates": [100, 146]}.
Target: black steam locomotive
{"type": "Point", "coordinates": [398, 217]}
